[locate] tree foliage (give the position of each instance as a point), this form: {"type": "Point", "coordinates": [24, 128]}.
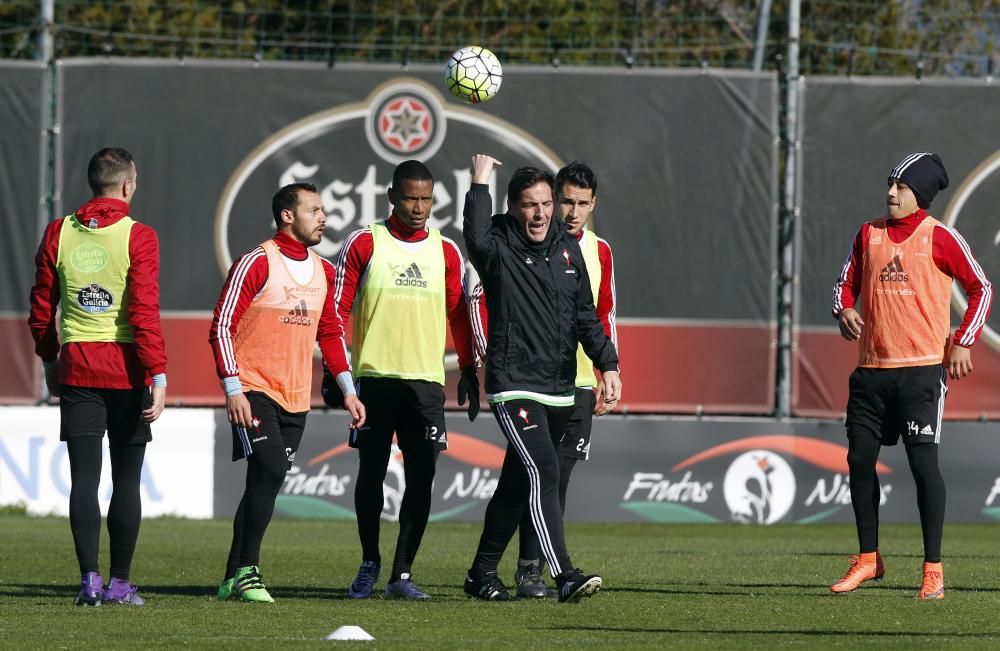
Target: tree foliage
{"type": "Point", "coordinates": [896, 37]}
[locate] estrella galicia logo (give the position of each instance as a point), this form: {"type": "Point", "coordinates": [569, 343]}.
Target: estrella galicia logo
{"type": "Point", "coordinates": [404, 123]}
{"type": "Point", "coordinates": [349, 152]}
{"type": "Point", "coordinates": [94, 298]}
{"type": "Point", "coordinates": [972, 210]}
{"type": "Point", "coordinates": [89, 258]}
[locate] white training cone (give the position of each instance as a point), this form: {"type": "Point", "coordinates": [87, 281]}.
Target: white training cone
{"type": "Point", "coordinates": [349, 633]}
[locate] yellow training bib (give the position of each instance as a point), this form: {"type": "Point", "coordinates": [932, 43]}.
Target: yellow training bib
{"type": "Point", "coordinates": [399, 318]}
{"type": "Point", "coordinates": [93, 265]}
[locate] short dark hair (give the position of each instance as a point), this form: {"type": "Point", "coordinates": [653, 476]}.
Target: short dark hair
{"type": "Point", "coordinates": [578, 174]}
{"type": "Point", "coordinates": [108, 168]}
{"type": "Point", "coordinates": [410, 170]}
{"type": "Point", "coordinates": [525, 177]}
{"type": "Point", "coordinates": [287, 198]}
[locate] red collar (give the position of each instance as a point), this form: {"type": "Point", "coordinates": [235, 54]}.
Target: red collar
{"type": "Point", "coordinates": [902, 228]}
{"type": "Point", "coordinates": [291, 247]}
{"type": "Point", "coordinates": [101, 211]}
{"type": "Point", "coordinates": [403, 232]}
{"type": "Point", "coordinates": [911, 220]}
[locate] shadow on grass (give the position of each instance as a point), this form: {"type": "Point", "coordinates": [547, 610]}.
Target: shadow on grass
{"type": "Point", "coordinates": [890, 588]}
{"type": "Point", "coordinates": [808, 588]}
{"type": "Point", "coordinates": [285, 592]}
{"type": "Point", "coordinates": [915, 555]}
{"type": "Point", "coordinates": [831, 554]}
{"type": "Point", "coordinates": [837, 633]}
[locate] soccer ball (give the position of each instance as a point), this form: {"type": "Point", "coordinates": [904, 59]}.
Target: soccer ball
{"type": "Point", "coordinates": [473, 74]}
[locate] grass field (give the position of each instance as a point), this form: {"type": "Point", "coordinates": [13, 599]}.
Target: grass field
{"type": "Point", "coordinates": [688, 587]}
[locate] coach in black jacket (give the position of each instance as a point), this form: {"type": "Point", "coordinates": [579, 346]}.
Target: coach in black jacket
{"type": "Point", "coordinates": [540, 304]}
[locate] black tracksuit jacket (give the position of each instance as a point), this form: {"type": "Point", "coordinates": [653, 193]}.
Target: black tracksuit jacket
{"type": "Point", "coordinates": [539, 300]}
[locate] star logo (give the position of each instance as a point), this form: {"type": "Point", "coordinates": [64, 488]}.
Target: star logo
{"type": "Point", "coordinates": [405, 124]}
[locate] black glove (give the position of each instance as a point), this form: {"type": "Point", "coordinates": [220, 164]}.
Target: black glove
{"type": "Point", "coordinates": [332, 395]}
{"type": "Point", "coordinates": [468, 389]}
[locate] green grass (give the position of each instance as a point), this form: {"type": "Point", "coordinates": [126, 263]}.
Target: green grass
{"type": "Point", "coordinates": [677, 586]}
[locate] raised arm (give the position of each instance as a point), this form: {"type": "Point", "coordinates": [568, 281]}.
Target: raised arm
{"type": "Point", "coordinates": [478, 213]}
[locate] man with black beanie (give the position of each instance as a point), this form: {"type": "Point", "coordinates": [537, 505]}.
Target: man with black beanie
{"type": "Point", "coordinates": [893, 297]}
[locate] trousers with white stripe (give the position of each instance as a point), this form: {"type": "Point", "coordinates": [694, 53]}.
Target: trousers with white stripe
{"type": "Point", "coordinates": [529, 481]}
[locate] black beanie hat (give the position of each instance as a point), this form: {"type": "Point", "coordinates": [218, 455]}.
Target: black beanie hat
{"type": "Point", "coordinates": [924, 173]}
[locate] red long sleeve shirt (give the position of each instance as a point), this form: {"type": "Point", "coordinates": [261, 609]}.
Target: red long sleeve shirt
{"type": "Point", "coordinates": [102, 364]}
{"type": "Point", "coordinates": [247, 277]}
{"type": "Point", "coordinates": [952, 256]}
{"type": "Point", "coordinates": [353, 265]}
{"type": "Point", "coordinates": [607, 302]}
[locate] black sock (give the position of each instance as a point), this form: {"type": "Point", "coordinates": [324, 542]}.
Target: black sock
{"type": "Point", "coordinates": [266, 469]}
{"type": "Point", "coordinates": [862, 454]}
{"type": "Point", "coordinates": [923, 460]}
{"type": "Point", "coordinates": [125, 510]}
{"type": "Point", "coordinates": [85, 458]}
{"type": "Point", "coordinates": [368, 498]}
{"type": "Point", "coordinates": [418, 466]}
{"type": "Point", "coordinates": [233, 561]}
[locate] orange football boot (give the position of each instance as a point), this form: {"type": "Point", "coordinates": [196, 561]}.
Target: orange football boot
{"type": "Point", "coordinates": [864, 567]}
{"type": "Point", "coordinates": [932, 586]}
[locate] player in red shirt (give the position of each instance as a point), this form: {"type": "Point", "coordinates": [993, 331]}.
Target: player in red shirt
{"type": "Point", "coordinates": [400, 282]}
{"type": "Point", "coordinates": [278, 301]}
{"type": "Point", "coordinates": [893, 298]}
{"type": "Point", "coordinates": [103, 268]}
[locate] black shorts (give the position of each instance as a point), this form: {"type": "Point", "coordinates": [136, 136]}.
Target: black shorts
{"type": "Point", "coordinates": [894, 402]}
{"type": "Point", "coordinates": [575, 442]}
{"type": "Point", "coordinates": [272, 427]}
{"type": "Point", "coordinates": [87, 411]}
{"type": "Point", "coordinates": [413, 410]}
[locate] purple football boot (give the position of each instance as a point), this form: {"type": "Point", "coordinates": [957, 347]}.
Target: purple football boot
{"type": "Point", "coordinates": [122, 592]}
{"type": "Point", "coordinates": [91, 589]}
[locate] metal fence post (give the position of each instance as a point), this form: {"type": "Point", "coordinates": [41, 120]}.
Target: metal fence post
{"type": "Point", "coordinates": [789, 217]}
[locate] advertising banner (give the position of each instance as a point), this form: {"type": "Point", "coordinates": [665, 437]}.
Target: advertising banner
{"type": "Point", "coordinates": [20, 194]}
{"type": "Point", "coordinates": [177, 475]}
{"type": "Point", "coordinates": [694, 264]}
{"type": "Point", "coordinates": [855, 131]}
{"type": "Point", "coordinates": [644, 469]}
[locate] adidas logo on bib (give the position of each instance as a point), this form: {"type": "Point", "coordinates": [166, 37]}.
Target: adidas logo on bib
{"type": "Point", "coordinates": [298, 315]}
{"type": "Point", "coordinates": [893, 272]}
{"type": "Point", "coordinates": [411, 277]}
